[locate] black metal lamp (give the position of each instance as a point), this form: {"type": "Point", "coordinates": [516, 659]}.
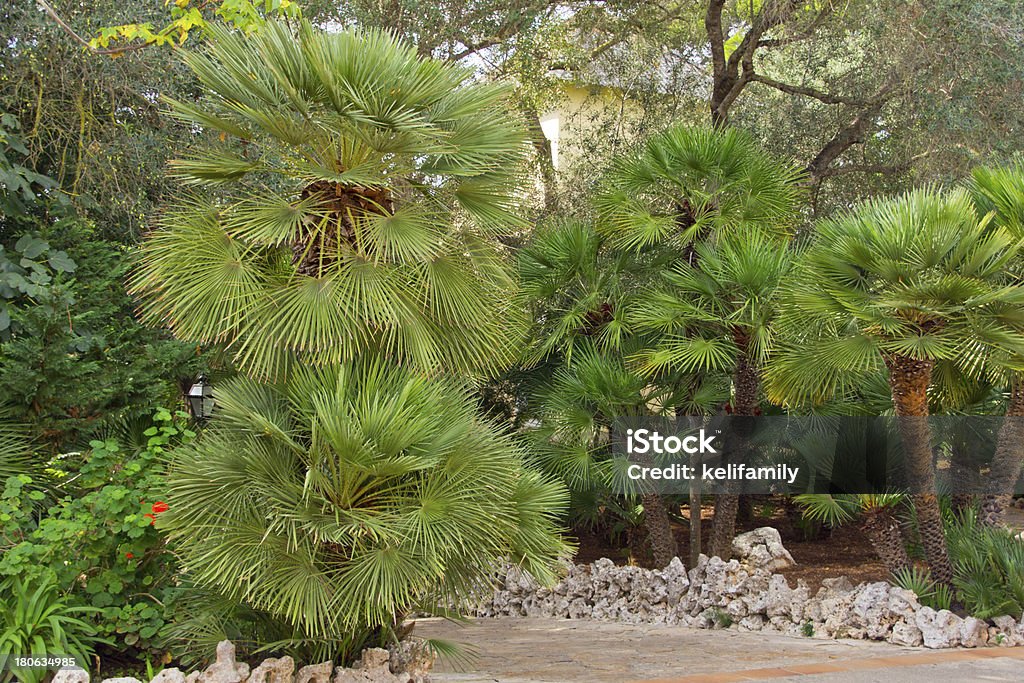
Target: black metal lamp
{"type": "Point", "coordinates": [200, 399]}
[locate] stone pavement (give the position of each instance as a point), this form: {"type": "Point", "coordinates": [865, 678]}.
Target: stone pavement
{"type": "Point", "coordinates": [536, 650]}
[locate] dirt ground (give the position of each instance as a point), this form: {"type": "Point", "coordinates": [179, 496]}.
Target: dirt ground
{"type": "Point", "coordinates": [838, 552]}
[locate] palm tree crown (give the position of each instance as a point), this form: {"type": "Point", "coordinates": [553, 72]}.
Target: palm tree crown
{"type": "Point", "coordinates": [918, 277]}
{"type": "Point", "coordinates": [688, 183]}
{"type": "Point", "coordinates": [344, 498]}
{"type": "Point", "coordinates": [348, 207]}
{"type": "Point", "coordinates": [702, 316]}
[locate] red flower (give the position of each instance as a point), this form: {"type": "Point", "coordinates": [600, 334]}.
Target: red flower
{"type": "Point", "coordinates": [159, 507]}
{"type": "Point", "coordinates": [130, 556]}
{"type": "Point", "coordinates": [152, 518]}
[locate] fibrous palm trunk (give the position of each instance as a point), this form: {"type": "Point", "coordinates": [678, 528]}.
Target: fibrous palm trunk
{"type": "Point", "coordinates": [659, 530]}
{"type": "Point", "coordinates": [909, 379]}
{"type": "Point", "coordinates": [695, 513]}
{"type": "Point", "coordinates": [746, 381]}
{"type": "Point", "coordinates": [883, 530]}
{"type": "Point", "coordinates": [656, 522]}
{"type": "Point", "coordinates": [1009, 456]}
{"type": "Point", "coordinates": [338, 209]}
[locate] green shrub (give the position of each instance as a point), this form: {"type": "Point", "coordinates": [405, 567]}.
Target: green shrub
{"type": "Point", "coordinates": [989, 566]}
{"type": "Point", "coordinates": [929, 593]}
{"type": "Point", "coordinates": [721, 618]}
{"type": "Point", "coordinates": [36, 620]}
{"type": "Point", "coordinates": [76, 362]}
{"type": "Point", "coordinates": [96, 539]}
{"type": "Point", "coordinates": [347, 498]}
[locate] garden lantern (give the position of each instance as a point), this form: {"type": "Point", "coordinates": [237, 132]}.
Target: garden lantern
{"type": "Point", "coordinates": [200, 399]}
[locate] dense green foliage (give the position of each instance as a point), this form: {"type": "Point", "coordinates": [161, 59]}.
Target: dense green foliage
{"type": "Point", "coordinates": [355, 213]}
{"type": "Point", "coordinates": [341, 241]}
{"type": "Point", "coordinates": [340, 219]}
{"type": "Point", "coordinates": [921, 276]}
{"type": "Point", "coordinates": [38, 622]}
{"type": "Point", "coordinates": [348, 497]}
{"type": "Point", "coordinates": [989, 564]}
{"type": "Point", "coordinates": [989, 570]}
{"type": "Point", "coordinates": [69, 337]}
{"type": "Point", "coordinates": [73, 366]}
{"type": "Point", "coordinates": [85, 528]}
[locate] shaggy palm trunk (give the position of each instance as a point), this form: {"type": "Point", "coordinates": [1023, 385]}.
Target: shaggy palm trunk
{"type": "Point", "coordinates": [695, 513]}
{"type": "Point", "coordinates": [883, 530]}
{"type": "Point", "coordinates": [1009, 456]}
{"type": "Point", "coordinates": [746, 381]}
{"type": "Point", "coordinates": [909, 379]}
{"type": "Point", "coordinates": [656, 520]}
{"type": "Point", "coordinates": [659, 529]}
{"type": "Point", "coordinates": [318, 245]}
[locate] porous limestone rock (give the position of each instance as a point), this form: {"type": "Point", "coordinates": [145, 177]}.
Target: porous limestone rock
{"type": "Point", "coordinates": [225, 669]}
{"type": "Point", "coordinates": [373, 667]}
{"type": "Point", "coordinates": [315, 673]}
{"type": "Point", "coordinates": [414, 658]}
{"type": "Point", "coordinates": [906, 634]}
{"type": "Point", "coordinates": [274, 671]}
{"type": "Point", "coordinates": [762, 547]}
{"type": "Point", "coordinates": [71, 675]}
{"type": "Point", "coordinates": [172, 675]}
{"type": "Point", "coordinates": [973, 632]}
{"type": "Point", "coordinates": [938, 629]}
{"type": "Point", "coordinates": [746, 592]}
{"type": "Point", "coordinates": [1007, 626]}
{"type": "Point", "coordinates": [753, 622]}
{"type": "Point", "coordinates": [122, 679]}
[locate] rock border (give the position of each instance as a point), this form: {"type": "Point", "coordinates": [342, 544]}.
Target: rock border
{"type": "Point", "coordinates": [408, 663]}
{"type": "Point", "coordinates": [745, 593]}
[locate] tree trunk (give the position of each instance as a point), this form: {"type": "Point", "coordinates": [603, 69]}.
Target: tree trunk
{"type": "Point", "coordinates": [745, 509]}
{"type": "Point", "coordinates": [659, 529]}
{"type": "Point", "coordinates": [656, 521]}
{"type": "Point", "coordinates": [724, 528]}
{"type": "Point", "coordinates": [746, 382]}
{"type": "Point", "coordinates": [695, 513]}
{"type": "Point", "coordinates": [545, 162]}
{"type": "Point", "coordinates": [1009, 456]}
{"type": "Point", "coordinates": [883, 530]}
{"type": "Point", "coordinates": [909, 379]}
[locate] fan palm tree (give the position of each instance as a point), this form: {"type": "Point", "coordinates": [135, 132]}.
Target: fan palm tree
{"type": "Point", "coordinates": [1000, 190]}
{"type": "Point", "coordinates": [876, 514]}
{"type": "Point", "coordinates": [687, 187]}
{"type": "Point", "coordinates": [346, 205]}
{"type": "Point", "coordinates": [715, 314]}
{"type": "Point", "coordinates": [15, 448]}
{"type": "Point", "coordinates": [578, 293]}
{"type": "Point", "coordinates": [587, 395]}
{"type": "Point", "coordinates": [688, 184]}
{"type": "Point", "coordinates": [343, 499]}
{"type": "Point", "coordinates": [900, 283]}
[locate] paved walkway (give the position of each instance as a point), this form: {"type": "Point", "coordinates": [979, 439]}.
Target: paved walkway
{"type": "Point", "coordinates": [528, 650]}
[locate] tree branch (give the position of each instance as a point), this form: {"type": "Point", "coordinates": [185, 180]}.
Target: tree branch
{"type": "Point", "coordinates": [814, 93]}
{"type": "Point", "coordinates": [849, 135]}
{"type": "Point", "coordinates": [716, 37]}
{"type": "Point", "coordinates": [731, 76]}
{"type": "Point", "coordinates": [802, 35]}
{"type": "Point", "coordinates": [45, 6]}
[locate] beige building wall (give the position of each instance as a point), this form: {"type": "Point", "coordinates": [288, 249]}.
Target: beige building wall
{"type": "Point", "coordinates": [582, 114]}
